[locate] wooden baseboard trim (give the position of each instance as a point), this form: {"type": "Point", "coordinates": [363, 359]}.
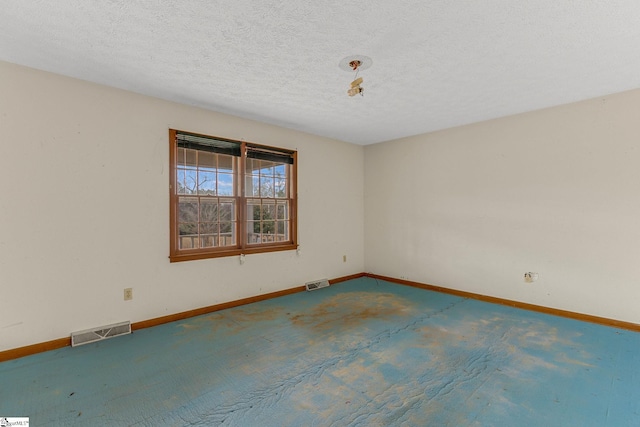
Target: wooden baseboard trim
{"type": "Point", "coordinates": [65, 342]}
{"type": "Point", "coordinates": [345, 278]}
{"type": "Point", "coordinates": [28, 350]}
{"type": "Point", "coordinates": [517, 304]}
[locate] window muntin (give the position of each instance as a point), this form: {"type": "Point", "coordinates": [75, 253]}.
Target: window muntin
{"type": "Point", "coordinates": [214, 212]}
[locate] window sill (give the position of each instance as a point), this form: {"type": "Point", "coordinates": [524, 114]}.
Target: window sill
{"type": "Point", "coordinates": [195, 255]}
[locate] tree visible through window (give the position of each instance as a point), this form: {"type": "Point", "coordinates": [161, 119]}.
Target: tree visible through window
{"type": "Point", "coordinates": [216, 213]}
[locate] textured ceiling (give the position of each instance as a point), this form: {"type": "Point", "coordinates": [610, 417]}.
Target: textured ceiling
{"type": "Point", "coordinates": [436, 64]}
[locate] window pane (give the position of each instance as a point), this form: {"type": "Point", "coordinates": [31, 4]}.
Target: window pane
{"type": "Point", "coordinates": [181, 177]}
{"type": "Point", "coordinates": [208, 228]}
{"type": "Point", "coordinates": [267, 168]}
{"type": "Point", "coordinates": [282, 211]}
{"type": "Point", "coordinates": [189, 181]}
{"type": "Point", "coordinates": [283, 231]}
{"type": "Point", "coordinates": [225, 227]}
{"type": "Point", "coordinates": [208, 241]}
{"type": "Point", "coordinates": [227, 211]}
{"type": "Point", "coordinates": [189, 158]}
{"type": "Point", "coordinates": [208, 210]}
{"type": "Point", "coordinates": [208, 234]}
{"type": "Point", "coordinates": [253, 210]}
{"type": "Point", "coordinates": [280, 170]}
{"type": "Point", "coordinates": [252, 186]}
{"type": "Point", "coordinates": [281, 188]}
{"type": "Point", "coordinates": [207, 183]}
{"type": "Point", "coordinates": [188, 209]}
{"type": "Point", "coordinates": [206, 160]}
{"type": "Point", "coordinates": [252, 166]}
{"type": "Point", "coordinates": [225, 184]}
{"type": "Point", "coordinates": [253, 232]}
{"type": "Point", "coordinates": [268, 227]}
{"type": "Point", "coordinates": [227, 234]}
{"type": "Point", "coordinates": [266, 187]}
{"type": "Point", "coordinates": [225, 163]}
{"type": "Point", "coordinates": [268, 210]}
{"type": "Point", "coordinates": [188, 228]}
{"type": "Point", "coordinates": [189, 241]}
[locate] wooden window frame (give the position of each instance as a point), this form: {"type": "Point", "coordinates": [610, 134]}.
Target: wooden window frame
{"type": "Point", "coordinates": [242, 246]}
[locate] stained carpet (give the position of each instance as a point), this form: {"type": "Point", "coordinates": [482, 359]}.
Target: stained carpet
{"type": "Point", "coordinates": [360, 353]}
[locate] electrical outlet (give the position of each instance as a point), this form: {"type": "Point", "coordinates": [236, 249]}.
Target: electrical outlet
{"type": "Point", "coordinates": [530, 277]}
{"type": "Point", "coordinates": [128, 294]}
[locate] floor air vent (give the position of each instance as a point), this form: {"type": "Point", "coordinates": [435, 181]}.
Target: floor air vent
{"type": "Point", "coordinates": [317, 284]}
{"type": "Point", "coordinates": [100, 333]}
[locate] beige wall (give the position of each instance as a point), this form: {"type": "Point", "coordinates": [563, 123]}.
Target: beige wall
{"type": "Point", "coordinates": [84, 212]}
{"type": "Point", "coordinates": [555, 191]}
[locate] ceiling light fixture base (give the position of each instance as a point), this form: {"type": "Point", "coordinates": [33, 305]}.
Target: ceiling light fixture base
{"type": "Point", "coordinates": [352, 63]}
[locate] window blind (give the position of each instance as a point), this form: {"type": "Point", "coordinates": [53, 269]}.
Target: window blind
{"type": "Point", "coordinates": [212, 145]}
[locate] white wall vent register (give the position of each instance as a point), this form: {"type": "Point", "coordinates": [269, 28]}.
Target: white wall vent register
{"type": "Point", "coordinates": [100, 333]}
{"type": "Point", "coordinates": [317, 284]}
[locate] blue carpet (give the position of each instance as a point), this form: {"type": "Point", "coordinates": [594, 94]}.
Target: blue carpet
{"type": "Point", "coordinates": [360, 353]}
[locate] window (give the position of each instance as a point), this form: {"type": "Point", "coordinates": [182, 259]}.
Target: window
{"type": "Point", "coordinates": [229, 197]}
